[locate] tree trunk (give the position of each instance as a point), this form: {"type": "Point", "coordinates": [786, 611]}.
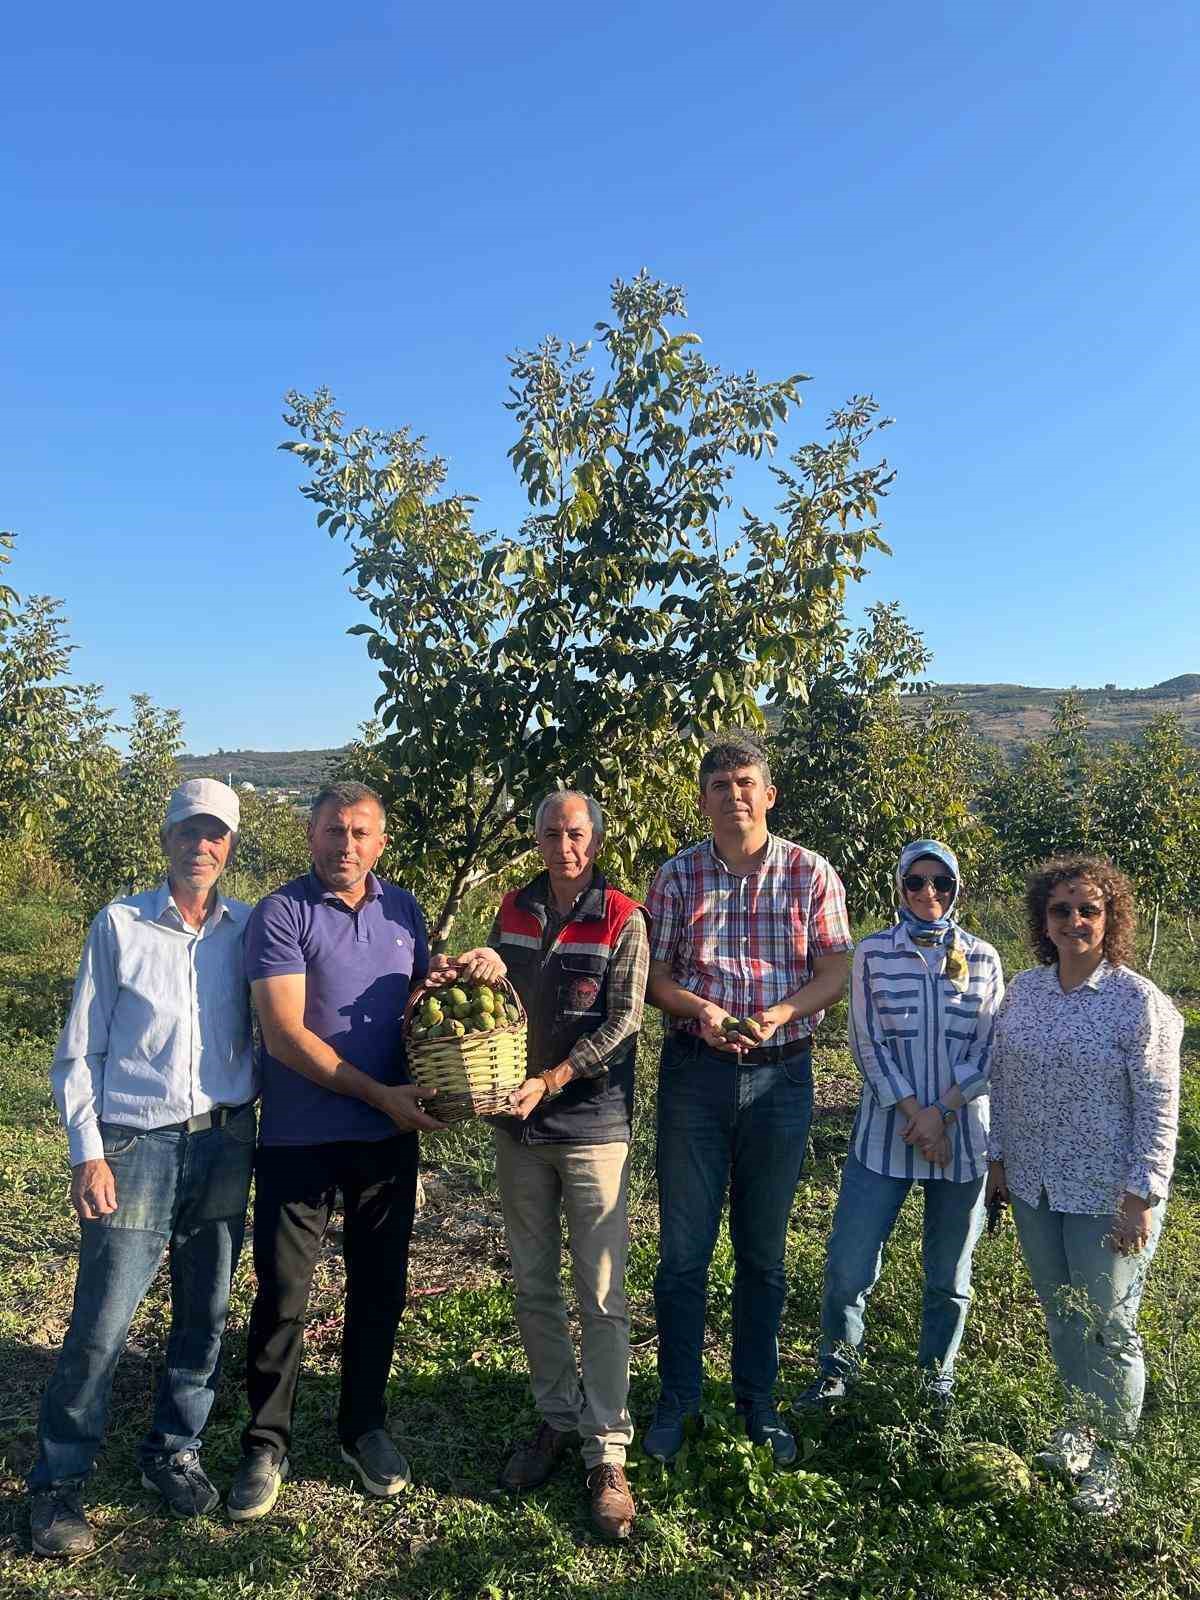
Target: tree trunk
{"type": "Point", "coordinates": [1191, 932]}
{"type": "Point", "coordinates": [1153, 938]}
{"type": "Point", "coordinates": [464, 880]}
{"type": "Point", "coordinates": [467, 879]}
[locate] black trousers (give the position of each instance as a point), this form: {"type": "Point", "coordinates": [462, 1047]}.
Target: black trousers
{"type": "Point", "coordinates": [295, 1188]}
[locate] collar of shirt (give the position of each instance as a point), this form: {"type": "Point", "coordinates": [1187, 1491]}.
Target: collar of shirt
{"type": "Point", "coordinates": [588, 902]}
{"type": "Point", "coordinates": [372, 890]}
{"type": "Point", "coordinates": [165, 910]}
{"type": "Point", "coordinates": [770, 855]}
{"type": "Point", "coordinates": [1093, 981]}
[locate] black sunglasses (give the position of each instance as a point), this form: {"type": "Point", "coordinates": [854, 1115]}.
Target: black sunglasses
{"type": "Point", "coordinates": [914, 882]}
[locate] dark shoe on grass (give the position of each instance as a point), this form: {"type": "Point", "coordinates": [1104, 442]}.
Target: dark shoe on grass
{"type": "Point", "coordinates": [663, 1439]}
{"type": "Point", "coordinates": [57, 1524]}
{"type": "Point", "coordinates": [535, 1461]}
{"type": "Point", "coordinates": [612, 1507]}
{"type": "Point", "coordinates": [255, 1486]}
{"type": "Point", "coordinates": [381, 1469]}
{"type": "Point", "coordinates": [766, 1426]}
{"type": "Point", "coordinates": [183, 1484]}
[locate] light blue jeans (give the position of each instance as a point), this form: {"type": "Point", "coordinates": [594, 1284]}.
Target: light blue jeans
{"type": "Point", "coordinates": [867, 1207]}
{"type": "Point", "coordinates": [181, 1192]}
{"type": "Point", "coordinates": [1090, 1296]}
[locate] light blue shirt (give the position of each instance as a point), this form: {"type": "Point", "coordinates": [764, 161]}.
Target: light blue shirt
{"type": "Point", "coordinates": [159, 1025]}
{"type": "Point", "coordinates": [913, 1032]}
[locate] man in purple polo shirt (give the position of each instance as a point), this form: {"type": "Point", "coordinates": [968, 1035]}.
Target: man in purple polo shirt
{"type": "Point", "coordinates": [330, 958]}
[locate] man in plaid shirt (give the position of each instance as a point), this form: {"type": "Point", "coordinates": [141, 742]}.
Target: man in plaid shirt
{"type": "Point", "coordinates": [748, 926]}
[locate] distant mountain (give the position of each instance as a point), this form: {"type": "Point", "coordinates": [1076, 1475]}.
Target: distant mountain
{"type": "Point", "coordinates": [1005, 713]}
{"type": "Point", "coordinates": [1010, 713]}
{"type": "Point", "coordinates": [299, 772]}
{"type": "Point", "coordinates": [1187, 683]}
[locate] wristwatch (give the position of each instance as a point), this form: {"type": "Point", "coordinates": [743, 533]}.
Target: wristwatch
{"type": "Point", "coordinates": [948, 1116]}
{"type": "Point", "coordinates": [552, 1088]}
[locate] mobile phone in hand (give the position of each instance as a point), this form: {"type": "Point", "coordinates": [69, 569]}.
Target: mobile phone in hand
{"type": "Point", "coordinates": [995, 1214]}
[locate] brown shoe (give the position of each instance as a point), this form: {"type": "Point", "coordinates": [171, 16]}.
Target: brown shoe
{"type": "Point", "coordinates": [533, 1462]}
{"type": "Point", "coordinates": [613, 1509]}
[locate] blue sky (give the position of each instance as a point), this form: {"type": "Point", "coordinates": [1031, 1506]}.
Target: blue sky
{"type": "Point", "coordinates": [984, 214]}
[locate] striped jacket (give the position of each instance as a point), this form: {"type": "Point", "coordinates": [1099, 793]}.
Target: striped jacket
{"type": "Point", "coordinates": [913, 1033]}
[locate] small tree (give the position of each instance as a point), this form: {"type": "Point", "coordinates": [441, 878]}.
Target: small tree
{"type": "Point", "coordinates": [272, 845]}
{"type": "Point", "coordinates": [109, 832]}
{"type": "Point", "coordinates": [1044, 804]}
{"type": "Point", "coordinates": [37, 713]}
{"type": "Point", "coordinates": [619, 617]}
{"type": "Point", "coordinates": [860, 774]}
{"type": "Point", "coordinates": [1148, 804]}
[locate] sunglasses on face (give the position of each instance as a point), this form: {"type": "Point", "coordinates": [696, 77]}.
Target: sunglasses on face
{"type": "Point", "coordinates": [1087, 911]}
{"type": "Point", "coordinates": [914, 882]}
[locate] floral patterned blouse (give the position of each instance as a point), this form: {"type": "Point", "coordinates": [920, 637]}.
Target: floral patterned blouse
{"type": "Point", "coordinates": [1085, 1089]}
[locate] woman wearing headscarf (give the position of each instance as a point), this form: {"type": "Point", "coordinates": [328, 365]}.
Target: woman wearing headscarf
{"type": "Point", "coordinates": [923, 998]}
{"type": "Point", "coordinates": [1085, 1115]}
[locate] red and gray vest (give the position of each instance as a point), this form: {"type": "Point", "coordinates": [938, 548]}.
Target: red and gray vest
{"type": "Point", "coordinates": [564, 988]}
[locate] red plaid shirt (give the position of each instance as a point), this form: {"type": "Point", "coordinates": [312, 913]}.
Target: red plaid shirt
{"type": "Point", "coordinates": [745, 943]}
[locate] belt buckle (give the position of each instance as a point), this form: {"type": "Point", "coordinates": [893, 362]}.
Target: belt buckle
{"type": "Point", "coordinates": [763, 1055]}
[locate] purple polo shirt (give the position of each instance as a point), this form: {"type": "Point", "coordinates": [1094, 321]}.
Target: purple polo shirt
{"type": "Point", "coordinates": [358, 966]}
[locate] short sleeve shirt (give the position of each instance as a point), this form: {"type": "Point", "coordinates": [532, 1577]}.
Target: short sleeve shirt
{"type": "Point", "coordinates": [358, 968]}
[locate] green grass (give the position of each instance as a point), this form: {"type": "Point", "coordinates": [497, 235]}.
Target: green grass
{"type": "Point", "coordinates": [866, 1513]}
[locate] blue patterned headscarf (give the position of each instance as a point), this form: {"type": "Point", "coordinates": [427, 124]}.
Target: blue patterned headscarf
{"type": "Point", "coordinates": [938, 852]}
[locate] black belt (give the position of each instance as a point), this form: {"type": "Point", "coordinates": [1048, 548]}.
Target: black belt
{"type": "Point", "coordinates": [763, 1055]}
{"type": "Point", "coordinates": [216, 1118]}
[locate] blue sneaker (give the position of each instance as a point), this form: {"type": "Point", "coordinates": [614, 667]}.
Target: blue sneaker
{"type": "Point", "coordinates": [663, 1439]}
{"type": "Point", "coordinates": [766, 1426]}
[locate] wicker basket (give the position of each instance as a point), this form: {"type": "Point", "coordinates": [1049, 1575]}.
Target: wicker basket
{"type": "Point", "coordinates": [474, 1075]}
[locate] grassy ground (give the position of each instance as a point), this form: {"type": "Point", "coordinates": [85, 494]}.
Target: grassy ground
{"type": "Point", "coordinates": [868, 1513]}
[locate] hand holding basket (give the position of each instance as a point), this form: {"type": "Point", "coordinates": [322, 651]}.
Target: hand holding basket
{"type": "Point", "coordinates": [467, 1041]}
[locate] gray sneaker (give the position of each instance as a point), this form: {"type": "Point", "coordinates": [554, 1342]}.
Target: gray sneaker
{"type": "Point", "coordinates": [1098, 1489]}
{"type": "Point", "coordinates": [826, 1391]}
{"type": "Point", "coordinates": [255, 1487]}
{"type": "Point", "coordinates": [1069, 1452]}
{"type": "Point", "coordinates": [57, 1524]}
{"type": "Point", "coordinates": [381, 1468]}
{"type": "Point", "coordinates": [183, 1484]}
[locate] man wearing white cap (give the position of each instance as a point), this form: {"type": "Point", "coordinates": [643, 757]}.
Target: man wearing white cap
{"type": "Point", "coordinates": [155, 1082]}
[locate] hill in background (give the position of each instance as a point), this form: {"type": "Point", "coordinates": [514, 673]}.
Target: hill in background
{"type": "Point", "coordinates": [1007, 714]}
{"type": "Point", "coordinates": [1004, 713]}
{"type": "Point", "coordinates": [296, 772]}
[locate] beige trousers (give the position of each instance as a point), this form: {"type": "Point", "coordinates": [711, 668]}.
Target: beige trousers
{"type": "Point", "coordinates": [589, 1183]}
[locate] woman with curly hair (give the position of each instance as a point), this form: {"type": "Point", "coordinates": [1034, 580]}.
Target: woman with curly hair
{"type": "Point", "coordinates": [1085, 1108]}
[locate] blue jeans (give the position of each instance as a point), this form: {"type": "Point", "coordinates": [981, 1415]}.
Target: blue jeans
{"type": "Point", "coordinates": [1090, 1296]}
{"type": "Point", "coordinates": [725, 1125]}
{"type": "Point", "coordinates": [867, 1207]}
{"type": "Point", "coordinates": [185, 1192]}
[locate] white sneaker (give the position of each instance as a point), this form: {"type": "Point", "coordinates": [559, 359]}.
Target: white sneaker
{"type": "Point", "coordinates": [1069, 1453]}
{"type": "Point", "coordinates": [1098, 1491]}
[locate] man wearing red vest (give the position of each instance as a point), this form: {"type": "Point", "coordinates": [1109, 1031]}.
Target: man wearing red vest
{"type": "Point", "coordinates": [577, 952]}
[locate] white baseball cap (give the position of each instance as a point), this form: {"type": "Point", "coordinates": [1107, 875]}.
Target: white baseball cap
{"type": "Point", "coordinates": [203, 797]}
